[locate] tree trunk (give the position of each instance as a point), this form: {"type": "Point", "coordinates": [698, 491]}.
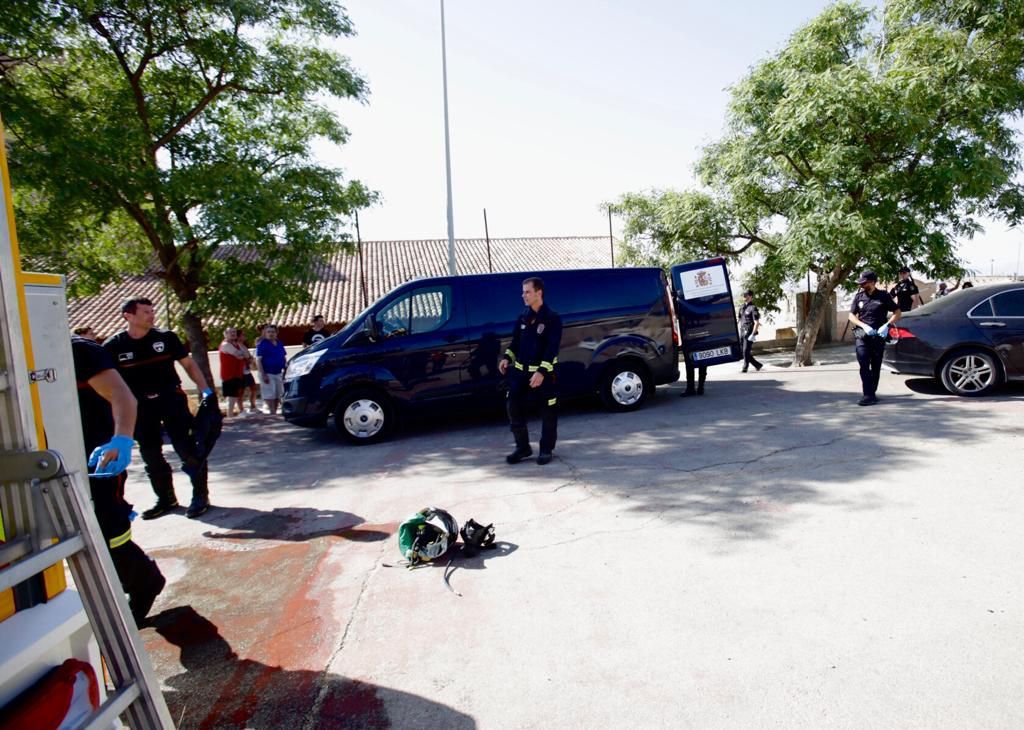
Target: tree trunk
{"type": "Point", "coordinates": [819, 306]}
{"type": "Point", "coordinates": [197, 344]}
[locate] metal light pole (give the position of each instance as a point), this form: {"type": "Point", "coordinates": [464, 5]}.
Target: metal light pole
{"type": "Point", "coordinates": [447, 151]}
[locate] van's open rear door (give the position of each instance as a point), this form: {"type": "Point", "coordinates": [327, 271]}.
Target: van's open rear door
{"type": "Point", "coordinates": [706, 312]}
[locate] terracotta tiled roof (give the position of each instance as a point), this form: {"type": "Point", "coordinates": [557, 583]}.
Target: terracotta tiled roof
{"type": "Point", "coordinates": [336, 291]}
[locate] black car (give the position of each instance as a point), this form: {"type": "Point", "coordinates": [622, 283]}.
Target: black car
{"type": "Point", "coordinates": [433, 344]}
{"type": "Point", "coordinates": [971, 340]}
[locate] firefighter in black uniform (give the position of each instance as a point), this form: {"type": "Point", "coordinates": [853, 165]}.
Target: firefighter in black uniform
{"type": "Point", "coordinates": [530, 364]}
{"type": "Point", "coordinates": [750, 324]}
{"type": "Point", "coordinates": [108, 412]}
{"type": "Point", "coordinates": [905, 292]}
{"type": "Point", "coordinates": [872, 312]}
{"type": "Point", "coordinates": [145, 357]}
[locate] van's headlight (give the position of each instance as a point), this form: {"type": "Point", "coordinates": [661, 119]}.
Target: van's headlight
{"type": "Point", "coordinates": [302, 365]}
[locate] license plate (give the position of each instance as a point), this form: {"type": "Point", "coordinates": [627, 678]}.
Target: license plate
{"type": "Point", "coordinates": [709, 354]}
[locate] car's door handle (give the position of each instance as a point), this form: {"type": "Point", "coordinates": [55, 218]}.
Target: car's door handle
{"type": "Point", "coordinates": [991, 324]}
{"type": "Point", "coordinates": [451, 354]}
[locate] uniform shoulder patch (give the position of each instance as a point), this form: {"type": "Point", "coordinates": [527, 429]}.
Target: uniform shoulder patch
{"type": "Point", "coordinates": [158, 346]}
{"type": "Point", "coordinates": [540, 328]}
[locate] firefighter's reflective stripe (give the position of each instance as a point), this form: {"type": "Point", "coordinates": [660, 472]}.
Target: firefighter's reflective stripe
{"type": "Point", "coordinates": [533, 368]}
{"type": "Point", "coordinates": [519, 365]}
{"type": "Point", "coordinates": [547, 366]}
{"type": "Point", "coordinates": [552, 401]}
{"type": "Point", "coordinates": [510, 355]}
{"type": "Point", "coordinates": [121, 539]}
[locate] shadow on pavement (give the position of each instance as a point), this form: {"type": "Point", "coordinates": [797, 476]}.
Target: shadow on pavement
{"type": "Point", "coordinates": [288, 523]}
{"type": "Point", "coordinates": [932, 386]}
{"type": "Point", "coordinates": [219, 689]}
{"type": "Point", "coordinates": [743, 458]}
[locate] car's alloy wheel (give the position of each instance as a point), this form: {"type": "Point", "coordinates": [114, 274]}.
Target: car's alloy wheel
{"type": "Point", "coordinates": [971, 373]}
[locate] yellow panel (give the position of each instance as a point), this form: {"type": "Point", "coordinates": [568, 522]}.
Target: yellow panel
{"type": "Point", "coordinates": [19, 280]}
{"type": "Point", "coordinates": [35, 277]}
{"type": "Point", "coordinates": [6, 604]}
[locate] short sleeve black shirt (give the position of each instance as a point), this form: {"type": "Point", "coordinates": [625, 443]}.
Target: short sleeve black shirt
{"type": "Point", "coordinates": [97, 419]}
{"type": "Point", "coordinates": [873, 309]}
{"type": "Point", "coordinates": [904, 292]}
{"type": "Point", "coordinates": [748, 315]}
{"type": "Point", "coordinates": [147, 364]}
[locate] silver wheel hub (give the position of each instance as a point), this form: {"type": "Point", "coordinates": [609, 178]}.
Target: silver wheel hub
{"type": "Point", "coordinates": [627, 388]}
{"type": "Point", "coordinates": [363, 418]}
{"type": "Point", "coordinates": [971, 373]}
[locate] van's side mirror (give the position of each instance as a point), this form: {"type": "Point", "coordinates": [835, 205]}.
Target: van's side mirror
{"type": "Point", "coordinates": [370, 328]}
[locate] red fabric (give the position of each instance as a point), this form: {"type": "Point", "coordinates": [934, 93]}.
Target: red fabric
{"type": "Point", "coordinates": [230, 366]}
{"type": "Point", "coordinates": [49, 702]}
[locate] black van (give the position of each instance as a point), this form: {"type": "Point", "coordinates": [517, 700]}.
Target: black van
{"type": "Point", "coordinates": [435, 343]}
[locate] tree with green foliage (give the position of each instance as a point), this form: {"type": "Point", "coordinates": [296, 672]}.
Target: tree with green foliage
{"type": "Point", "coordinates": [177, 134]}
{"type": "Point", "coordinates": [869, 140]}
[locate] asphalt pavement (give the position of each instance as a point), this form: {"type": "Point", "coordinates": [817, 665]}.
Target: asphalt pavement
{"type": "Point", "coordinates": [767, 555]}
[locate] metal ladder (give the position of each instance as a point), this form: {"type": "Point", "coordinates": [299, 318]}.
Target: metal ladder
{"type": "Point", "coordinates": [41, 500]}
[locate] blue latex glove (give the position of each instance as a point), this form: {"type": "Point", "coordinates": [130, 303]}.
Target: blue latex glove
{"type": "Point", "coordinates": [123, 446]}
{"type": "Point", "coordinates": [207, 392]}
{"type": "Point", "coordinates": [870, 332]}
{"type": "Point", "coordinates": [883, 331]}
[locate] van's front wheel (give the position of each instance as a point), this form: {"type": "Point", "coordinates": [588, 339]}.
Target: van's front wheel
{"type": "Point", "coordinates": [364, 416]}
{"type": "Point", "coordinates": [626, 386]}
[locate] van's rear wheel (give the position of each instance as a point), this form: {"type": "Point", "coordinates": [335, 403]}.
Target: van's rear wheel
{"type": "Point", "coordinates": [364, 416]}
{"type": "Point", "coordinates": [626, 386]}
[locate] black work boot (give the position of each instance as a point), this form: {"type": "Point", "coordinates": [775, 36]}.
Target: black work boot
{"type": "Point", "coordinates": [544, 457]}
{"type": "Point", "coordinates": [200, 503]}
{"type": "Point", "coordinates": [521, 452]}
{"type": "Point", "coordinates": [163, 485]}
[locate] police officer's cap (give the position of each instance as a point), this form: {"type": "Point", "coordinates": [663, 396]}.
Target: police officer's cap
{"type": "Point", "coordinates": [904, 269]}
{"type": "Point", "coordinates": [748, 293]}
{"type": "Point", "coordinates": [867, 276]}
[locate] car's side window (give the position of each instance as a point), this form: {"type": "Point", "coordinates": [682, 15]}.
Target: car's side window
{"type": "Point", "coordinates": [393, 320]}
{"type": "Point", "coordinates": [431, 309]}
{"type": "Point", "coordinates": [1009, 303]}
{"type": "Point", "coordinates": [982, 310]}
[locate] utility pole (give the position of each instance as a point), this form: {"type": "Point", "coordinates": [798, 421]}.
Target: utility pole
{"type": "Point", "coordinates": [362, 270]}
{"type": "Point", "coordinates": [611, 239]}
{"type": "Point", "coordinates": [452, 269]}
{"type": "Point", "coordinates": [487, 237]}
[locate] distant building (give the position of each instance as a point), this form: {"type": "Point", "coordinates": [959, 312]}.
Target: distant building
{"type": "Point", "coordinates": [337, 290]}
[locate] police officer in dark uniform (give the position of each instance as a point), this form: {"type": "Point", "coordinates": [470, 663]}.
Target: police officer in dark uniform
{"type": "Point", "coordinates": [108, 412]}
{"type": "Point", "coordinates": [530, 363]}
{"type": "Point", "coordinates": [872, 312]}
{"type": "Point", "coordinates": [145, 357]}
{"type": "Point", "coordinates": [905, 292]}
{"type": "Point", "coordinates": [750, 324]}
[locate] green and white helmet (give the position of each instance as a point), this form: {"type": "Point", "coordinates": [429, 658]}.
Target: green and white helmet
{"type": "Point", "coordinates": [427, 535]}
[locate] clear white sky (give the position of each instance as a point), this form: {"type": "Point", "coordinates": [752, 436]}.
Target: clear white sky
{"type": "Point", "coordinates": [555, 107]}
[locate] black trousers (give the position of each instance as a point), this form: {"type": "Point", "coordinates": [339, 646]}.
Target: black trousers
{"type": "Point", "coordinates": [170, 412]}
{"type": "Point", "coordinates": [136, 571]}
{"type": "Point", "coordinates": [870, 351]}
{"type": "Point", "coordinates": [520, 398]}
{"type": "Point", "coordinates": [748, 353]}
{"type": "Point", "coordinates": [702, 375]}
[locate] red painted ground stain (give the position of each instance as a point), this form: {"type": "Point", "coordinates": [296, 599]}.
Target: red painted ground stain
{"type": "Point", "coordinates": [242, 644]}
